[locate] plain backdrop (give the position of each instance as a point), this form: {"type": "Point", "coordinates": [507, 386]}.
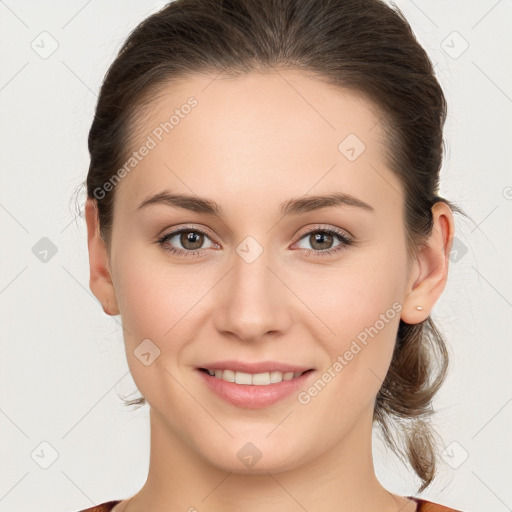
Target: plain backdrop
{"type": "Point", "coordinates": [67, 442]}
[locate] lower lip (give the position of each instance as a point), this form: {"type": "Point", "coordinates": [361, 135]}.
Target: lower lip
{"type": "Point", "coordinates": [251, 396]}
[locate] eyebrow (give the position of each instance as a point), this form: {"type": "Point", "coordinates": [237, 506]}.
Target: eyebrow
{"type": "Point", "coordinates": [294, 206]}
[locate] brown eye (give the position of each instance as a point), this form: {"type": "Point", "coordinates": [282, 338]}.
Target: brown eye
{"type": "Point", "coordinates": [186, 242]}
{"type": "Point", "coordinates": [321, 240]}
{"type": "Point", "coordinates": [191, 240]}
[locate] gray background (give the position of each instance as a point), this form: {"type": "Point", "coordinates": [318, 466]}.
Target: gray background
{"type": "Point", "coordinates": [63, 364]}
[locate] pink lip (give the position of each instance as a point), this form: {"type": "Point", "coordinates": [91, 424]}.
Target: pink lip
{"type": "Point", "coordinates": [251, 396]}
{"type": "Point", "coordinates": [259, 367]}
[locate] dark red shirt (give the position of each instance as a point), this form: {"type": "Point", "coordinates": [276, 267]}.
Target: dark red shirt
{"type": "Point", "coordinates": [423, 506]}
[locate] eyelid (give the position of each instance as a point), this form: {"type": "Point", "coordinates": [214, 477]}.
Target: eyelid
{"type": "Point", "coordinates": [185, 227]}
{"type": "Point", "coordinates": [325, 227]}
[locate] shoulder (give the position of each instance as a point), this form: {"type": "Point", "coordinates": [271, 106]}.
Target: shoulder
{"type": "Point", "coordinates": [102, 507]}
{"type": "Point", "coordinates": [429, 506]}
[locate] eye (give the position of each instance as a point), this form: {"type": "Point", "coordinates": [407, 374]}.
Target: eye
{"type": "Point", "coordinates": [322, 239]}
{"type": "Point", "coordinates": [191, 239]}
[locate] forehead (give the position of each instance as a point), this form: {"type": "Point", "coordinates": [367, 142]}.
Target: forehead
{"type": "Point", "coordinates": [280, 131]}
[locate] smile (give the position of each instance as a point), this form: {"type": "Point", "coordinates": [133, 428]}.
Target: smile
{"type": "Point", "coordinates": [255, 379]}
{"type": "Point", "coordinates": [254, 391]}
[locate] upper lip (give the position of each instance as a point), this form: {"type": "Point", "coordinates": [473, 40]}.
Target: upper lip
{"type": "Point", "coordinates": [255, 367]}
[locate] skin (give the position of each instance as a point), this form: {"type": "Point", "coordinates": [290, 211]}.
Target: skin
{"type": "Point", "coordinates": [251, 143]}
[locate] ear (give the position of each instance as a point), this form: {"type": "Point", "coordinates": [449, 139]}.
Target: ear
{"type": "Point", "coordinates": [430, 268]}
{"type": "Point", "coordinates": [100, 281]}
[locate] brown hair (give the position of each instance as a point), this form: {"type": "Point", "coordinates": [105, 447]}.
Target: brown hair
{"type": "Point", "coordinates": [362, 45]}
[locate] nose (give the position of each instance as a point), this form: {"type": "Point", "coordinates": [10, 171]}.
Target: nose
{"type": "Point", "coordinates": [252, 301]}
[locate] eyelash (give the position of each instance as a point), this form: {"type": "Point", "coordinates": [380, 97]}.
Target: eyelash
{"type": "Point", "coordinates": [345, 242]}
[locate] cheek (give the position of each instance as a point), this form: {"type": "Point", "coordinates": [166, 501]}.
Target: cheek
{"type": "Point", "coordinates": [143, 285]}
{"type": "Point", "coordinates": [364, 316]}
{"type": "Point", "coordinates": [157, 300]}
{"type": "Point", "coordinates": [150, 303]}
{"type": "Point", "coordinates": [361, 308]}
{"type": "Point", "coordinates": [140, 299]}
{"type": "Point", "coordinates": [354, 296]}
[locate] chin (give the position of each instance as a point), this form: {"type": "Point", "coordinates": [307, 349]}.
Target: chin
{"type": "Point", "coordinates": [243, 456]}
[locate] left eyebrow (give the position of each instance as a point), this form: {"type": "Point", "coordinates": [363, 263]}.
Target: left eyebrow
{"type": "Point", "coordinates": [306, 204]}
{"type": "Point", "coordinates": [294, 206]}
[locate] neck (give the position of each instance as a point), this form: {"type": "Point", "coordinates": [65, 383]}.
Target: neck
{"type": "Point", "coordinates": [341, 478]}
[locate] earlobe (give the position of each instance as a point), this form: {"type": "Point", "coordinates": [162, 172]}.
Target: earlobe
{"type": "Point", "coordinates": [100, 281]}
{"type": "Point", "coordinates": [430, 268]}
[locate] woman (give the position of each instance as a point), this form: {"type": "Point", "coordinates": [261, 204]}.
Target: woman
{"type": "Point", "coordinates": [263, 213]}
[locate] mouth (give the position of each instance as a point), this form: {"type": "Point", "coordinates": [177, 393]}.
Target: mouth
{"type": "Point", "coordinates": [253, 379]}
{"type": "Point", "coordinates": [254, 391]}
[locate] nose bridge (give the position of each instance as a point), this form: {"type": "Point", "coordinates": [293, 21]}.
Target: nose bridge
{"type": "Point", "coordinates": [251, 268]}
{"type": "Point", "coordinates": [252, 302]}
{"type": "Point", "coordinates": [251, 277]}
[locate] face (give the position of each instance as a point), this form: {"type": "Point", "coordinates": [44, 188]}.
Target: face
{"type": "Point", "coordinates": [317, 285]}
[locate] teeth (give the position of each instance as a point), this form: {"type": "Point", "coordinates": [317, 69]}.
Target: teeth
{"type": "Point", "coordinates": [257, 379]}
{"type": "Point", "coordinates": [228, 375]}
